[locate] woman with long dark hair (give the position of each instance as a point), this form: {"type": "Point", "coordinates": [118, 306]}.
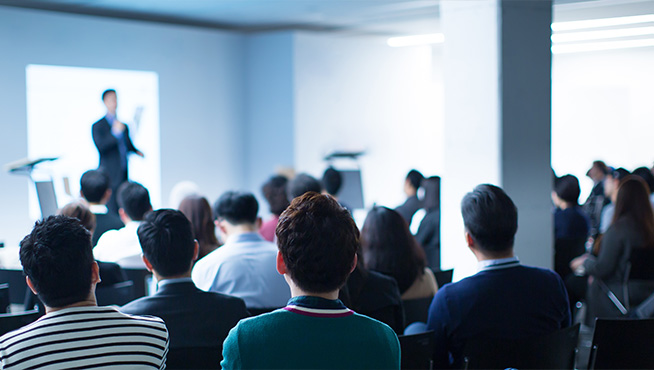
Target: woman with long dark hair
{"type": "Point", "coordinates": [632, 230]}
{"type": "Point", "coordinates": [389, 248]}
{"type": "Point", "coordinates": [198, 211]}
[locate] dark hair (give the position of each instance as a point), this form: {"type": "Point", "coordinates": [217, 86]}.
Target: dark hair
{"type": "Point", "coordinates": [80, 211]}
{"type": "Point", "coordinates": [388, 247]}
{"type": "Point", "coordinates": [318, 241]}
{"type": "Point", "coordinates": [274, 190]}
{"type": "Point", "coordinates": [167, 241]}
{"type": "Point", "coordinates": [567, 188]}
{"type": "Point", "coordinates": [633, 203]}
{"type": "Point", "coordinates": [198, 211]}
{"type": "Point", "coordinates": [432, 187]}
{"type": "Point", "coordinates": [94, 185]}
{"type": "Point", "coordinates": [58, 259]}
{"type": "Point", "coordinates": [301, 184]}
{"type": "Point", "coordinates": [107, 92]}
{"type": "Point", "coordinates": [620, 173]}
{"type": "Point", "coordinates": [491, 218]}
{"type": "Point", "coordinates": [415, 178]}
{"type": "Point", "coordinates": [134, 199]}
{"type": "Point", "coordinates": [332, 180]}
{"type": "Point", "coordinates": [237, 208]}
{"type": "Point", "coordinates": [645, 174]}
{"type": "Point", "coordinates": [600, 165]}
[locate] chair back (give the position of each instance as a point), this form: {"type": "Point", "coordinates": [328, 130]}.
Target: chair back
{"type": "Point", "coordinates": [139, 277]}
{"type": "Point", "coordinates": [117, 294]}
{"type": "Point", "coordinates": [622, 344]}
{"type": "Point", "coordinates": [417, 350]}
{"type": "Point", "coordinates": [17, 284]}
{"type": "Point", "coordinates": [443, 277]}
{"type": "Point", "coordinates": [194, 358]}
{"type": "Point", "coordinates": [260, 311]}
{"type": "Point", "coordinates": [416, 310]}
{"type": "Point", "coordinates": [552, 351]}
{"type": "Point", "coordinates": [4, 298]}
{"type": "Point", "coordinates": [12, 321]}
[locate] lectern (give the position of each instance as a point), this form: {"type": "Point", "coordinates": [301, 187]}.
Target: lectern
{"type": "Point", "coordinates": [44, 189]}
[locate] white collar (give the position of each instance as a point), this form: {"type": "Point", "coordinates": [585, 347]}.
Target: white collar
{"type": "Point", "coordinates": [498, 264]}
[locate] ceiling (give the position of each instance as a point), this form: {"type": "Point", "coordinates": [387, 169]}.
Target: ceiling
{"type": "Point", "coordinates": [383, 17]}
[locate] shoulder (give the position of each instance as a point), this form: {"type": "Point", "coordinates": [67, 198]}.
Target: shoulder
{"type": "Point", "coordinates": [99, 123]}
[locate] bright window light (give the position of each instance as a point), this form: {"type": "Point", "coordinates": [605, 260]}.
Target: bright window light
{"type": "Point", "coordinates": [604, 34]}
{"type": "Point", "coordinates": [432, 38]}
{"type": "Point", "coordinates": [599, 46]}
{"type": "Point", "coordinates": [604, 22]}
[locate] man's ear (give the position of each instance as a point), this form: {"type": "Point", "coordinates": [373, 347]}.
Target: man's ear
{"type": "Point", "coordinates": [123, 215]}
{"type": "Point", "coordinates": [106, 196]}
{"type": "Point", "coordinates": [196, 250]}
{"type": "Point", "coordinates": [148, 265]}
{"type": "Point", "coordinates": [354, 262]}
{"type": "Point", "coordinates": [95, 273]}
{"type": "Point", "coordinates": [30, 285]}
{"type": "Point", "coordinates": [469, 240]}
{"type": "Point", "coordinates": [258, 223]}
{"type": "Point", "coordinates": [281, 265]}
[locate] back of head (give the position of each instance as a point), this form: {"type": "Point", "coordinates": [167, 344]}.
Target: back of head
{"type": "Point", "coordinates": [198, 211]}
{"type": "Point", "coordinates": [415, 178]}
{"type": "Point", "coordinates": [318, 240]}
{"type": "Point", "coordinates": [432, 187]}
{"type": "Point", "coordinates": [389, 247]}
{"type": "Point", "coordinates": [237, 208]}
{"type": "Point", "coordinates": [567, 188]}
{"type": "Point", "coordinates": [80, 211]}
{"type": "Point", "coordinates": [301, 184]}
{"type": "Point", "coordinates": [58, 259]}
{"type": "Point", "coordinates": [274, 190]}
{"type": "Point", "coordinates": [167, 242]}
{"type": "Point", "coordinates": [94, 184]}
{"type": "Point", "coordinates": [601, 167]}
{"type": "Point", "coordinates": [491, 218]}
{"type": "Point", "coordinates": [332, 181]}
{"type": "Point", "coordinates": [645, 174]}
{"type": "Point", "coordinates": [134, 199]}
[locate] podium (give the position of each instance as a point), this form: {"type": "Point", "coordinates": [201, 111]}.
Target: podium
{"type": "Point", "coordinates": [44, 189]}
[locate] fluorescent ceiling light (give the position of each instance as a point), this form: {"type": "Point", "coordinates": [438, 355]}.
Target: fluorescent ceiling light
{"type": "Point", "coordinates": [604, 22]}
{"type": "Point", "coordinates": [604, 34]}
{"type": "Point", "coordinates": [599, 46]}
{"type": "Point", "coordinates": [432, 38]}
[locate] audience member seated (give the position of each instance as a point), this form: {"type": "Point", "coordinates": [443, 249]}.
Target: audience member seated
{"type": "Point", "coordinates": [301, 184]}
{"type": "Point", "coordinates": [245, 265]}
{"type": "Point", "coordinates": [571, 225]}
{"type": "Point", "coordinates": [274, 190]}
{"type": "Point", "coordinates": [429, 232]}
{"type": "Point", "coordinates": [596, 200]}
{"type": "Point", "coordinates": [318, 242]}
{"type": "Point", "coordinates": [412, 204]}
{"type": "Point", "coordinates": [632, 228]}
{"type": "Point", "coordinates": [332, 180]}
{"type": "Point", "coordinates": [646, 174]}
{"type": "Point", "coordinates": [388, 247]}
{"type": "Point", "coordinates": [57, 258]}
{"type": "Point", "coordinates": [94, 186]}
{"type": "Point", "coordinates": [194, 318]}
{"type": "Point", "coordinates": [504, 300]}
{"type": "Point", "coordinates": [198, 211]}
{"type": "Point", "coordinates": [611, 184]}
{"type": "Point", "coordinates": [122, 246]}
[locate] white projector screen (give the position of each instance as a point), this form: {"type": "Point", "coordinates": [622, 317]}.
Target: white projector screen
{"type": "Point", "coordinates": [62, 105]}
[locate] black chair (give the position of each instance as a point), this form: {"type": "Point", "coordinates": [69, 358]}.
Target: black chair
{"type": "Point", "coordinates": [194, 358]}
{"type": "Point", "coordinates": [259, 311]}
{"type": "Point", "coordinates": [416, 310]}
{"type": "Point", "coordinates": [622, 344]}
{"type": "Point", "coordinates": [552, 351]}
{"type": "Point", "coordinates": [638, 282]}
{"type": "Point", "coordinates": [10, 322]}
{"type": "Point", "coordinates": [117, 294]}
{"type": "Point", "coordinates": [443, 276]}
{"type": "Point", "coordinates": [17, 284]}
{"type": "Point", "coordinates": [417, 350]}
{"type": "Point", "coordinates": [140, 278]}
{"type": "Point", "coordinates": [4, 298]}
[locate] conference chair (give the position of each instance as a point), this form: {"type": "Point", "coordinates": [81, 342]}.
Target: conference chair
{"type": "Point", "coordinates": [117, 294]}
{"type": "Point", "coordinates": [140, 278]}
{"type": "Point", "coordinates": [622, 344]}
{"type": "Point", "coordinates": [4, 298]}
{"type": "Point", "coordinates": [13, 321]}
{"type": "Point", "coordinates": [443, 277]}
{"type": "Point", "coordinates": [417, 350]}
{"type": "Point", "coordinates": [416, 310]}
{"type": "Point", "coordinates": [17, 284]}
{"type": "Point", "coordinates": [260, 311]}
{"type": "Point", "coordinates": [552, 351]}
{"type": "Point", "coordinates": [198, 358]}
{"type": "Point", "coordinates": [638, 282]}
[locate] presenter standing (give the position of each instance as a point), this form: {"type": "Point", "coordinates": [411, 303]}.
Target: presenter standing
{"type": "Point", "coordinates": [111, 137]}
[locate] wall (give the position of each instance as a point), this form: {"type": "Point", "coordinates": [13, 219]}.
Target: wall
{"type": "Point", "coordinates": [201, 95]}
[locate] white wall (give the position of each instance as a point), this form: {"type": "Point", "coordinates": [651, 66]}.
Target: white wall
{"type": "Point", "coordinates": [201, 95]}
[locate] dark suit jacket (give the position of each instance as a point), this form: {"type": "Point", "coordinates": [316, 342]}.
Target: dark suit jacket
{"type": "Point", "coordinates": [510, 303]}
{"type": "Point", "coordinates": [105, 222]}
{"type": "Point", "coordinates": [194, 318]}
{"type": "Point", "coordinates": [107, 146]}
{"type": "Point", "coordinates": [409, 208]}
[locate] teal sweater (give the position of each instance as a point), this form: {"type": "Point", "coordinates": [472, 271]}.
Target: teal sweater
{"type": "Point", "coordinates": [311, 333]}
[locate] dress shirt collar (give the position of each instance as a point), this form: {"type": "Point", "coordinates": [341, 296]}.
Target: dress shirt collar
{"type": "Point", "coordinates": [498, 264]}
{"type": "Point", "coordinates": [98, 209]}
{"type": "Point", "coordinates": [173, 281]}
{"type": "Point", "coordinates": [110, 118]}
{"type": "Point", "coordinates": [245, 238]}
{"type": "Point", "coordinates": [317, 307]}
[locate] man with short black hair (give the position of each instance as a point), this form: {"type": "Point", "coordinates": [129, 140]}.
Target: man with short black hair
{"type": "Point", "coordinates": [195, 319]}
{"type": "Point", "coordinates": [504, 300]}
{"type": "Point", "coordinates": [122, 246]}
{"type": "Point", "coordinates": [245, 265]}
{"type": "Point", "coordinates": [317, 241]}
{"type": "Point", "coordinates": [412, 204]}
{"type": "Point", "coordinates": [301, 184]}
{"type": "Point", "coordinates": [94, 187]}
{"type": "Point", "coordinates": [75, 332]}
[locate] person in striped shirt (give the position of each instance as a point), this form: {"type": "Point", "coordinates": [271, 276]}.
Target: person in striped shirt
{"type": "Point", "coordinates": [75, 333]}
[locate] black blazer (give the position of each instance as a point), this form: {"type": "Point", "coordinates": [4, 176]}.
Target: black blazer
{"type": "Point", "coordinates": [107, 145]}
{"type": "Point", "coordinates": [194, 318]}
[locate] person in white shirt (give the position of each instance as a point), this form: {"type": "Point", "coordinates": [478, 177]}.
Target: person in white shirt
{"type": "Point", "coordinates": [245, 265]}
{"type": "Point", "coordinates": [122, 246]}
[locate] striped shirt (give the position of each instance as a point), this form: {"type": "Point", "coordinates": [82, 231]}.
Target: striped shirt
{"type": "Point", "coordinates": [86, 337]}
